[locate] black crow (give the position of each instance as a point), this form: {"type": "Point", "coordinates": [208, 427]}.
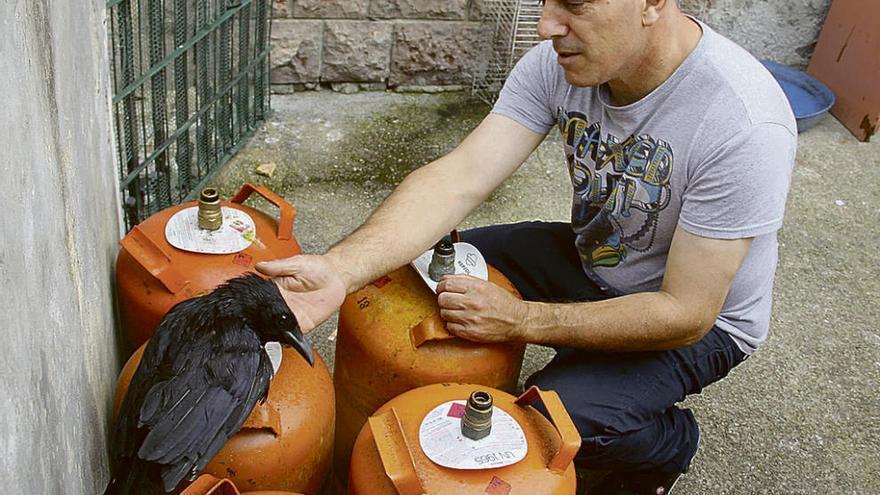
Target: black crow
{"type": "Point", "coordinates": [201, 374]}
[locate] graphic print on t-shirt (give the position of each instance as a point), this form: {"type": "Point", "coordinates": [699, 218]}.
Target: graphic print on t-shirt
{"type": "Point", "coordinates": [620, 189]}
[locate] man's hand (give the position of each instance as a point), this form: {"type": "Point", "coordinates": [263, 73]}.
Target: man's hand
{"type": "Point", "coordinates": [478, 310]}
{"type": "Point", "coordinates": [311, 286]}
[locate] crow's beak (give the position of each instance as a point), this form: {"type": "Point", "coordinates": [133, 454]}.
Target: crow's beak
{"type": "Point", "coordinates": [298, 341]}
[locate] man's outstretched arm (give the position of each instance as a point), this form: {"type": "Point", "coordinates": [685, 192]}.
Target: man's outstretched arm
{"type": "Point", "coordinates": [429, 203]}
{"type": "Point", "coordinates": [699, 274]}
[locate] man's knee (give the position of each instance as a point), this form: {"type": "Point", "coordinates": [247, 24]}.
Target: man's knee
{"type": "Point", "coordinates": [593, 414]}
{"type": "Point", "coordinates": [618, 431]}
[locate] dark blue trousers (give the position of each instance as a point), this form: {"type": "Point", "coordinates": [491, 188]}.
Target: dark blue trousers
{"type": "Point", "coordinates": [623, 404]}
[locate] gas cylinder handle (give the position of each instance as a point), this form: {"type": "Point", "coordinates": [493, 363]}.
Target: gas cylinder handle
{"type": "Point", "coordinates": [288, 212]}
{"type": "Point", "coordinates": [571, 439]}
{"type": "Point", "coordinates": [153, 259]}
{"type": "Point", "coordinates": [430, 329]}
{"type": "Point", "coordinates": [209, 485]}
{"type": "Point", "coordinates": [264, 417]}
{"type": "Point", "coordinates": [395, 452]}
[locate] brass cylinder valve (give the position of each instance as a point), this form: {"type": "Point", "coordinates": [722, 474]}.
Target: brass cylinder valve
{"type": "Point", "coordinates": [442, 261]}
{"type": "Point", "coordinates": [210, 213]}
{"type": "Point", "coordinates": [476, 423]}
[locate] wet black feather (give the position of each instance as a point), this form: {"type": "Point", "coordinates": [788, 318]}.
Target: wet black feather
{"type": "Point", "coordinates": [200, 376]}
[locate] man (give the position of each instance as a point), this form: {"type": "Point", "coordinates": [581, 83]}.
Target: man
{"type": "Point", "coordinates": [680, 148]}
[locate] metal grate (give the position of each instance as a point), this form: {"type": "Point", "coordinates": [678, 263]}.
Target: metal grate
{"type": "Point", "coordinates": [190, 85]}
{"type": "Point", "coordinates": [510, 29]}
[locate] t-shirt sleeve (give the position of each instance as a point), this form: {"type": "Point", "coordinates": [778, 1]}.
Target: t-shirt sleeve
{"type": "Point", "coordinates": [740, 189]}
{"type": "Point", "coordinates": [526, 95]}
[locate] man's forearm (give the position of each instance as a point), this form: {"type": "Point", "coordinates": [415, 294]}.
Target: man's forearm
{"type": "Point", "coordinates": [433, 200]}
{"type": "Point", "coordinates": [637, 322]}
{"type": "Point", "coordinates": [424, 207]}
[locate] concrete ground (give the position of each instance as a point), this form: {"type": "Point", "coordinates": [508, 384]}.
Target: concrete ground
{"type": "Point", "coordinates": [801, 416]}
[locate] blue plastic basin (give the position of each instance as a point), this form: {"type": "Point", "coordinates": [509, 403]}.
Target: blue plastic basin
{"type": "Point", "coordinates": [810, 99]}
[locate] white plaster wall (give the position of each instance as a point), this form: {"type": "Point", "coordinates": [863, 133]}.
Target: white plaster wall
{"type": "Point", "coordinates": [58, 229]}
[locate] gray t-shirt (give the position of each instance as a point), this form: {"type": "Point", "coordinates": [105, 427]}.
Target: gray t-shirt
{"type": "Point", "coordinates": [711, 150]}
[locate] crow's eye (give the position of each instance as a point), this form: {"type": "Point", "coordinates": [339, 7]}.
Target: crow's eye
{"type": "Point", "coordinates": [283, 317]}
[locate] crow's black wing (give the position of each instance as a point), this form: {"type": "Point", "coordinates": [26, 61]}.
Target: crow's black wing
{"type": "Point", "coordinates": [258, 392]}
{"type": "Point", "coordinates": [216, 381]}
{"type": "Point", "coordinates": [155, 366]}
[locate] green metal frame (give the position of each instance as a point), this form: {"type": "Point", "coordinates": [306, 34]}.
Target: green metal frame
{"type": "Point", "coordinates": [170, 141]}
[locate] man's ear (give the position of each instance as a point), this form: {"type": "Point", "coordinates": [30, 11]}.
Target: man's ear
{"type": "Point", "coordinates": [652, 10]}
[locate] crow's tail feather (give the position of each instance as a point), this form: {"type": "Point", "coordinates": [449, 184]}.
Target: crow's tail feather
{"type": "Point", "coordinates": [135, 479]}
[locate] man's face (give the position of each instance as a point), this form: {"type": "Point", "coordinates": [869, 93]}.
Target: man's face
{"type": "Point", "coordinates": [596, 40]}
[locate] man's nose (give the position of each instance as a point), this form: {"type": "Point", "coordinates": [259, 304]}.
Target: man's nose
{"type": "Point", "coordinates": [552, 23]}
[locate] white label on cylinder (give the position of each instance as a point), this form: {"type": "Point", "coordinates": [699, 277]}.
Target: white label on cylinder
{"type": "Point", "coordinates": [273, 350]}
{"type": "Point", "coordinates": [468, 261]}
{"type": "Point", "coordinates": [441, 439]}
{"type": "Point", "coordinates": [236, 234]}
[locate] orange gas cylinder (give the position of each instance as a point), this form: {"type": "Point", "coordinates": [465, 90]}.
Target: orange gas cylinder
{"type": "Point", "coordinates": [391, 339]}
{"type": "Point", "coordinates": [209, 485]}
{"type": "Point", "coordinates": [286, 443]}
{"type": "Point", "coordinates": [388, 455]}
{"type": "Point", "coordinates": [152, 275]}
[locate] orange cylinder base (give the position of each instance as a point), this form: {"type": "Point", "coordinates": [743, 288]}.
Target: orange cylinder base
{"type": "Point", "coordinates": [209, 485]}
{"type": "Point", "coordinates": [286, 443]}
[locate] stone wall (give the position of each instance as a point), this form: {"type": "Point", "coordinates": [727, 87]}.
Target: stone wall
{"type": "Point", "coordinates": [425, 44]}
{"type": "Point", "coordinates": [374, 44]}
